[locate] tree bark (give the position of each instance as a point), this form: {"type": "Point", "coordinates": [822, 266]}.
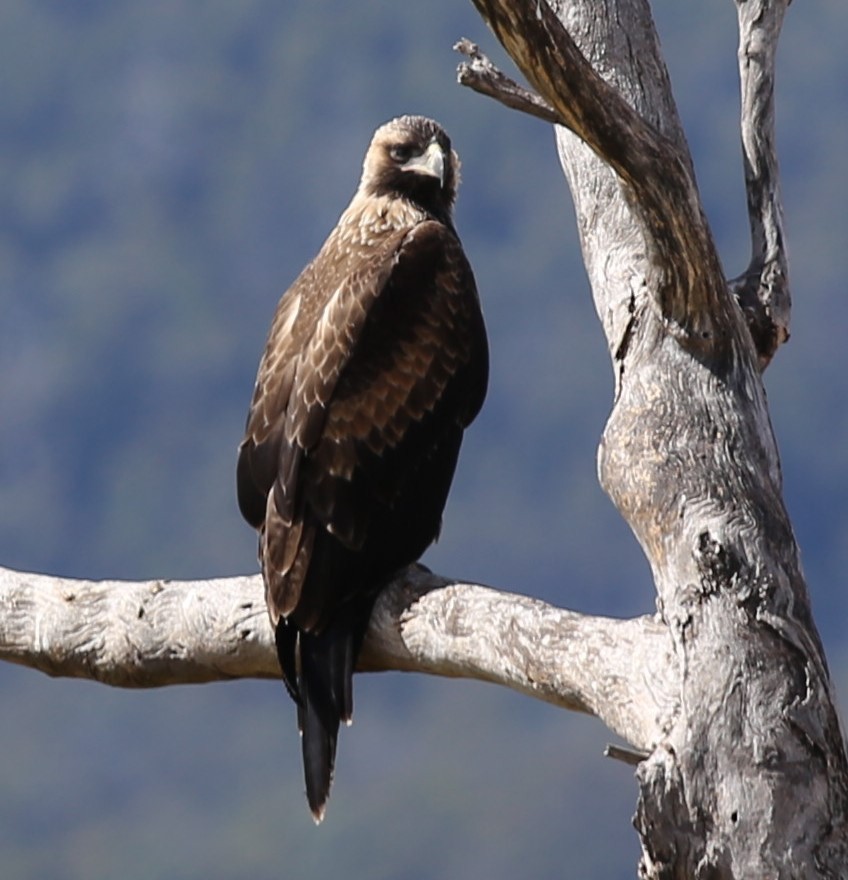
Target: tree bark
{"type": "Point", "coordinates": [725, 693]}
{"type": "Point", "coordinates": [750, 778]}
{"type": "Point", "coordinates": [159, 633]}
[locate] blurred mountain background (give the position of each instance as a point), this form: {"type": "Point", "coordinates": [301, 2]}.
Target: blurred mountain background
{"type": "Point", "coordinates": [167, 168]}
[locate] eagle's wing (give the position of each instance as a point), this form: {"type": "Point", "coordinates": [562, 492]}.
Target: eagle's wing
{"type": "Point", "coordinates": [376, 401]}
{"type": "Point", "coordinates": [259, 451]}
{"type": "Point", "coordinates": [301, 345]}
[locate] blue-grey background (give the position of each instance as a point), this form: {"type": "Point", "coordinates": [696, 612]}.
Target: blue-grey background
{"type": "Point", "coordinates": [166, 169]}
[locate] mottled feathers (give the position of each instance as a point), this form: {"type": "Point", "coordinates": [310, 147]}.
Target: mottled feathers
{"type": "Point", "coordinates": [375, 364]}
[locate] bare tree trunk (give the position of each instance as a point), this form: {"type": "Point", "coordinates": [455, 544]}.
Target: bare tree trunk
{"type": "Point", "coordinates": [749, 778]}
{"type": "Point", "coordinates": [725, 693]}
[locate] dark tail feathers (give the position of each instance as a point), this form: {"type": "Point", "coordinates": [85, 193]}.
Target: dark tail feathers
{"type": "Point", "coordinates": [318, 671]}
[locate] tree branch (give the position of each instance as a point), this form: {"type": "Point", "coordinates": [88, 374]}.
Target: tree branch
{"type": "Point", "coordinates": [157, 633]}
{"type": "Point", "coordinates": [660, 173]}
{"type": "Point", "coordinates": [692, 292]}
{"type": "Point", "coordinates": [136, 634]}
{"type": "Point", "coordinates": [482, 76]}
{"type": "Point", "coordinates": [763, 289]}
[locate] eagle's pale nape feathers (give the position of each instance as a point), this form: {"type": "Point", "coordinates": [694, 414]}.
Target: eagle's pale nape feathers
{"type": "Point", "coordinates": [376, 362]}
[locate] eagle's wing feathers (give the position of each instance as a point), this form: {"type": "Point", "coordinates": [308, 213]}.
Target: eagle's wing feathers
{"type": "Point", "coordinates": [393, 372]}
{"type": "Point", "coordinates": [286, 410]}
{"type": "Point", "coordinates": [258, 458]}
{"type": "Point", "coordinates": [416, 378]}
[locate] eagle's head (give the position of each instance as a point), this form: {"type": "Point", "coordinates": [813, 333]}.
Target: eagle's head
{"type": "Point", "coordinates": [411, 157]}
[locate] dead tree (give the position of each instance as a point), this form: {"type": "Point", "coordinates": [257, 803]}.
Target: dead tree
{"type": "Point", "coordinates": [724, 694]}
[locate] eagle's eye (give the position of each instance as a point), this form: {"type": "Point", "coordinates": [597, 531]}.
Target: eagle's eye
{"type": "Point", "coordinates": [401, 152]}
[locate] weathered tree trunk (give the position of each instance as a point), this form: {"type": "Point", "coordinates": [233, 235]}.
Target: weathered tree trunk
{"type": "Point", "coordinates": [725, 693]}
{"type": "Point", "coordinates": [749, 778]}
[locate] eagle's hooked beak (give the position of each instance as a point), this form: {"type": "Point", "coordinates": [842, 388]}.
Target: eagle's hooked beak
{"type": "Point", "coordinates": [431, 162]}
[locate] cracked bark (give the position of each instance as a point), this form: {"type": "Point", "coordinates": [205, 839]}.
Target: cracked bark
{"type": "Point", "coordinates": [158, 633]}
{"type": "Point", "coordinates": [751, 778]}
{"type": "Point", "coordinates": [726, 689]}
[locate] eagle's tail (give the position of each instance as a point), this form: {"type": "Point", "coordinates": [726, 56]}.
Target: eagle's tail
{"type": "Point", "coordinates": [318, 669]}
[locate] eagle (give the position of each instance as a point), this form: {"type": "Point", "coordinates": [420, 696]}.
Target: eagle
{"type": "Point", "coordinates": [375, 364]}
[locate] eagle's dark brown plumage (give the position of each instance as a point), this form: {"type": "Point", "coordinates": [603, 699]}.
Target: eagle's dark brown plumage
{"type": "Point", "coordinates": [375, 364]}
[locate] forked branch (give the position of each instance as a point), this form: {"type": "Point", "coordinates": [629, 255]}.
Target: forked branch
{"type": "Point", "coordinates": [573, 95]}
{"type": "Point", "coordinates": [692, 296]}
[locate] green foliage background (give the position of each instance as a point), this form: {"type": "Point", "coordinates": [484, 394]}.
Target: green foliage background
{"type": "Point", "coordinates": [167, 168]}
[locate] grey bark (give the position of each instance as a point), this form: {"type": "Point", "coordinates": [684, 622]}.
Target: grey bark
{"type": "Point", "coordinates": [751, 777]}
{"type": "Point", "coordinates": [726, 690]}
{"type": "Point", "coordinates": [158, 633]}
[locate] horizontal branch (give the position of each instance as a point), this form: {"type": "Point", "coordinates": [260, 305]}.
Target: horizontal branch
{"type": "Point", "coordinates": [157, 633]}
{"type": "Point", "coordinates": [136, 634]}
